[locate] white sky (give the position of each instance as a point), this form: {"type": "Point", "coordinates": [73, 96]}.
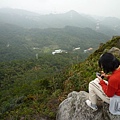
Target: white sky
{"type": "Point", "coordinates": [91, 7]}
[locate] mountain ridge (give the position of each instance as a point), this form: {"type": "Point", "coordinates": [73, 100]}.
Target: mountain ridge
{"type": "Point", "coordinates": [28, 20]}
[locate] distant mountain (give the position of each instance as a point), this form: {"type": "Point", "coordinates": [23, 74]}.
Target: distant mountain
{"type": "Point", "coordinates": [19, 17]}
{"type": "Point", "coordinates": [33, 20]}
{"type": "Point", "coordinates": [112, 22]}
{"type": "Point", "coordinates": [28, 19]}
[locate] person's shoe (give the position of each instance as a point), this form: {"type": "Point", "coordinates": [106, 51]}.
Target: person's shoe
{"type": "Point", "coordinates": [88, 102]}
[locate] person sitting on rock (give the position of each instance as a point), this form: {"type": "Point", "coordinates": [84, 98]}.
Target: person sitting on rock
{"type": "Point", "coordinates": [102, 88]}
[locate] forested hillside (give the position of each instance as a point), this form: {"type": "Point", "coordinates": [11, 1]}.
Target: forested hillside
{"type": "Point", "coordinates": [20, 43]}
{"type": "Point", "coordinates": [29, 91]}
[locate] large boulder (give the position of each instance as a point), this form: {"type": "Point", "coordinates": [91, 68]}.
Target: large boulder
{"type": "Point", "coordinates": [75, 108]}
{"type": "Point", "coordinates": [115, 51]}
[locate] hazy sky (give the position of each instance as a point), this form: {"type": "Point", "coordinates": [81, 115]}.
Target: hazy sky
{"type": "Point", "coordinates": [92, 7]}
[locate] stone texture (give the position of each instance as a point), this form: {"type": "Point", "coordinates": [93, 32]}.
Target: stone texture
{"type": "Point", "coordinates": [115, 51]}
{"type": "Point", "coordinates": [75, 108]}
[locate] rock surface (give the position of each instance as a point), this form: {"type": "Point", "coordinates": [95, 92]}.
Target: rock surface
{"type": "Point", "coordinates": [75, 108]}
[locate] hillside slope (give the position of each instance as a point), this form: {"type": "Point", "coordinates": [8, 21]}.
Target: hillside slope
{"type": "Point", "coordinates": [80, 75]}
{"type": "Point", "coordinates": [18, 43]}
{"type": "Point", "coordinates": [25, 94]}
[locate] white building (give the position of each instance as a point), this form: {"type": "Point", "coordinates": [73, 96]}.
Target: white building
{"type": "Point", "coordinates": [87, 50]}
{"type": "Point", "coordinates": [76, 48]}
{"type": "Point", "coordinates": [58, 51]}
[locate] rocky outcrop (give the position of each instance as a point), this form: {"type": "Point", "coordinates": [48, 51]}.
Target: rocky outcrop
{"type": "Point", "coordinates": [75, 108]}
{"type": "Point", "coordinates": [115, 51]}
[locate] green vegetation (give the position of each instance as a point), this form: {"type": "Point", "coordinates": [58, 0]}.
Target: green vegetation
{"type": "Point", "coordinates": [19, 44]}
{"type": "Point", "coordinates": [32, 89]}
